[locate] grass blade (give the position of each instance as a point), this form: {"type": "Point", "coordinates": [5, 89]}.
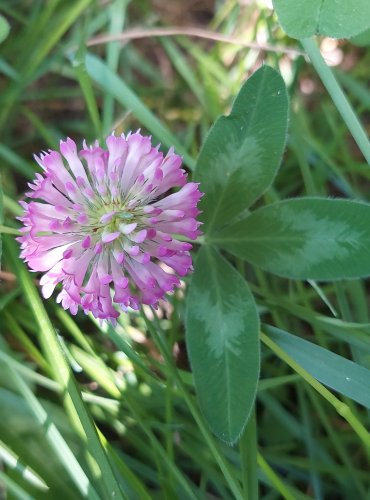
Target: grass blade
{"type": "Point", "coordinates": [115, 86]}
{"type": "Point", "coordinates": [63, 374]}
{"type": "Point", "coordinates": [56, 440]}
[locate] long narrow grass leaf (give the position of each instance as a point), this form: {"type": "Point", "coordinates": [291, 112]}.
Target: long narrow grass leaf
{"type": "Point", "coordinates": [72, 397]}
{"type": "Point", "coordinates": [111, 83]}
{"type": "Point", "coordinates": [56, 440]}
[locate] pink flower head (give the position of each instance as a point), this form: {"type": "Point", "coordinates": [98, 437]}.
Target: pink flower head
{"type": "Point", "coordinates": [105, 222]}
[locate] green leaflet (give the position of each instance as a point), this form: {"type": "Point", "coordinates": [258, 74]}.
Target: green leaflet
{"type": "Point", "coordinates": [242, 152]}
{"type": "Point", "coordinates": [222, 328]}
{"type": "Point", "coordinates": [334, 18]}
{"type": "Point", "coordinates": [304, 238]}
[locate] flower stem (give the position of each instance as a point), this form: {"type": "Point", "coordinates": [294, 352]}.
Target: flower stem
{"type": "Point", "coordinates": [275, 479]}
{"type": "Point", "coordinates": [337, 94]}
{"type": "Point", "coordinates": [169, 413]}
{"type": "Point", "coordinates": [248, 456]}
{"type": "Point", "coordinates": [161, 344]}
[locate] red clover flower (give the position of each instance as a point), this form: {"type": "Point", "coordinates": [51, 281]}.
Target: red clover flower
{"type": "Point", "coordinates": [106, 224]}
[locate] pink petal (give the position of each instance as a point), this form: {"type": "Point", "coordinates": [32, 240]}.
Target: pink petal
{"type": "Point", "coordinates": [109, 237]}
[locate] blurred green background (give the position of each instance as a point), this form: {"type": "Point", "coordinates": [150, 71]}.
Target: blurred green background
{"type": "Point", "coordinates": [82, 69]}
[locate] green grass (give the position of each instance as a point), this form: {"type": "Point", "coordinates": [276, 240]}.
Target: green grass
{"type": "Point", "coordinates": [87, 410]}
